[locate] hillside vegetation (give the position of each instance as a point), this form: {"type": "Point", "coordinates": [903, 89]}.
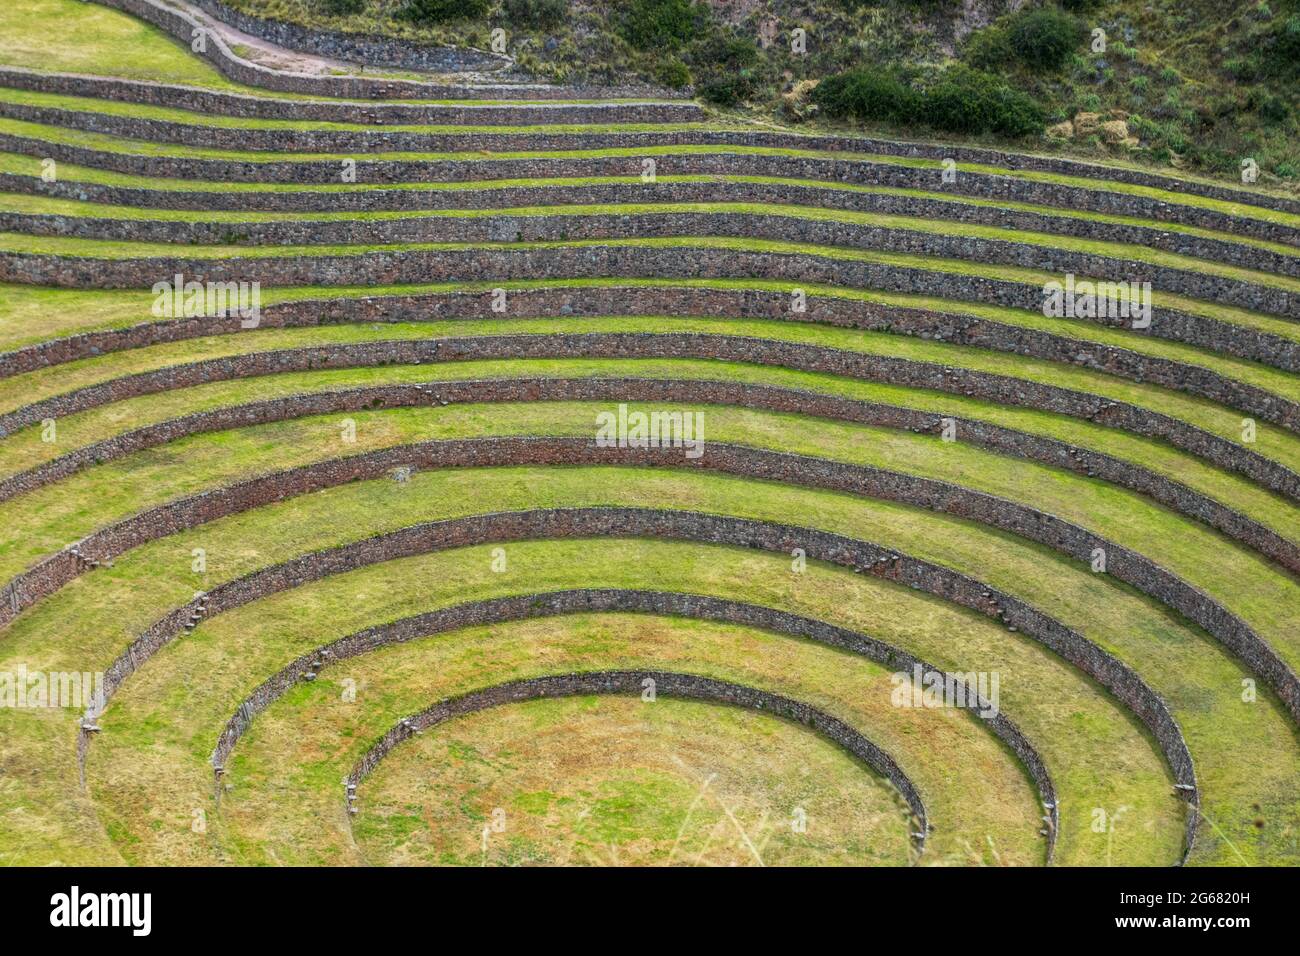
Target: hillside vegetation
{"type": "Point", "coordinates": [1199, 85]}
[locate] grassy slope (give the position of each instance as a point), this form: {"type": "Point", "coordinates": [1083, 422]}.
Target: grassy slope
{"type": "Point", "coordinates": [1140, 632]}
{"type": "Point", "coordinates": [1262, 594]}
{"type": "Point", "coordinates": [335, 607]}
{"type": "Point", "coordinates": [391, 683]}
{"type": "Point", "coordinates": [606, 779]}
{"type": "Point", "coordinates": [28, 448]}
{"type": "Point", "coordinates": [33, 314]}
{"type": "Point", "coordinates": [109, 250]}
{"type": "Point", "coordinates": [1205, 702]}
{"type": "Point", "coordinates": [76, 37]}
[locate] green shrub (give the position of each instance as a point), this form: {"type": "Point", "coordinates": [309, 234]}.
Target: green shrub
{"type": "Point", "coordinates": [730, 67]}
{"type": "Point", "coordinates": [864, 95]}
{"type": "Point", "coordinates": [440, 11]}
{"type": "Point", "coordinates": [962, 100]}
{"type": "Point", "coordinates": [658, 24]}
{"type": "Point", "coordinates": [1282, 46]}
{"type": "Point", "coordinates": [1242, 68]}
{"type": "Point", "coordinates": [1043, 38]}
{"type": "Point", "coordinates": [535, 13]}
{"type": "Point", "coordinates": [1272, 108]}
{"type": "Point", "coordinates": [989, 48]}
{"type": "Point", "coordinates": [341, 8]}
{"type": "Point", "coordinates": [672, 74]}
{"type": "Point", "coordinates": [958, 100]}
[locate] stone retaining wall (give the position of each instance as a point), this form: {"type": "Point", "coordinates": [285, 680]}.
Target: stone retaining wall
{"type": "Point", "coordinates": [863, 557]}
{"type": "Point", "coordinates": [268, 108]}
{"type": "Point", "coordinates": [797, 470]}
{"type": "Point", "coordinates": [661, 108]}
{"type": "Point", "coordinates": [181, 25]}
{"type": "Point", "coordinates": [669, 684]}
{"type": "Point", "coordinates": [614, 225]}
{"type": "Point", "coordinates": [722, 163]}
{"type": "Point", "coordinates": [1122, 563]}
{"type": "Point", "coordinates": [365, 49]}
{"type": "Point", "coordinates": [613, 600]}
{"type": "Point", "coordinates": [769, 352]}
{"type": "Point", "coordinates": [504, 264]}
{"type": "Point", "coordinates": [682, 301]}
{"type": "Point", "coordinates": [713, 191]}
{"type": "Point", "coordinates": [993, 438]}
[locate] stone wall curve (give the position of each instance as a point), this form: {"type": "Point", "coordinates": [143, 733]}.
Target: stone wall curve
{"type": "Point", "coordinates": [559, 226]}
{"type": "Point", "coordinates": [861, 556]}
{"type": "Point", "coordinates": [768, 352]}
{"type": "Point", "coordinates": [767, 304]}
{"type": "Point", "coordinates": [1225, 250]}
{"type": "Point", "coordinates": [1004, 441]}
{"type": "Point", "coordinates": [606, 600]}
{"type": "Point", "coordinates": [628, 260]}
{"type": "Point", "coordinates": [720, 163]}
{"type": "Point", "coordinates": [671, 684]}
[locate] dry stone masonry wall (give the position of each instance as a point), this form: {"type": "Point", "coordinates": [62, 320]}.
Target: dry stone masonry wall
{"type": "Point", "coordinates": [613, 225]}
{"type": "Point", "coordinates": [1003, 441]}
{"type": "Point", "coordinates": [767, 352]}
{"type": "Point", "coordinates": [951, 327]}
{"type": "Point", "coordinates": [414, 200]}
{"type": "Point", "coordinates": [719, 163]}
{"type": "Point", "coordinates": [599, 261]}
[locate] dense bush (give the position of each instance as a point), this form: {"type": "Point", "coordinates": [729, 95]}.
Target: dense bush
{"type": "Point", "coordinates": [1283, 48]}
{"type": "Point", "coordinates": [658, 24]}
{"type": "Point", "coordinates": [989, 48]}
{"type": "Point", "coordinates": [535, 13]}
{"type": "Point", "coordinates": [1042, 38]}
{"type": "Point", "coordinates": [341, 8]}
{"type": "Point", "coordinates": [957, 100]}
{"type": "Point", "coordinates": [440, 11]}
{"type": "Point", "coordinates": [672, 73]}
{"type": "Point", "coordinates": [865, 95]}
{"type": "Point", "coordinates": [730, 68]}
{"type": "Point", "coordinates": [962, 100]}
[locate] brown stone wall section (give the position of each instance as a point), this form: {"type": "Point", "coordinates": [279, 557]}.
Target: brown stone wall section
{"type": "Point", "coordinates": [378, 113]}
{"type": "Point", "coordinates": [269, 108]}
{"type": "Point", "coordinates": [611, 600]}
{"type": "Point", "coordinates": [797, 470]}
{"type": "Point", "coordinates": [1223, 250]}
{"type": "Point", "coordinates": [993, 438]}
